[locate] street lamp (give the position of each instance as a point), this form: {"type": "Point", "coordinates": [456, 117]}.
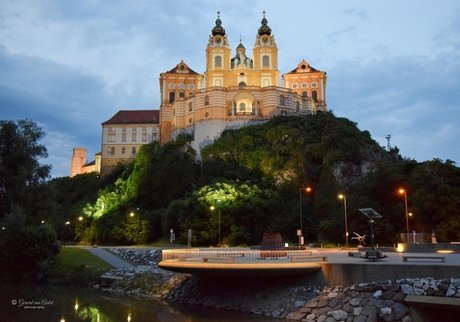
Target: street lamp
{"type": "Point", "coordinates": [86, 222]}
{"type": "Point", "coordinates": [341, 196]}
{"type": "Point", "coordinates": [402, 191]}
{"type": "Point", "coordinates": [132, 214]}
{"type": "Point", "coordinates": [212, 208]}
{"type": "Point", "coordinates": [307, 189]}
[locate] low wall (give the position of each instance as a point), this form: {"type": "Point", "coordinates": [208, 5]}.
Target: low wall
{"type": "Point", "coordinates": [428, 248]}
{"type": "Point", "coordinates": [349, 274]}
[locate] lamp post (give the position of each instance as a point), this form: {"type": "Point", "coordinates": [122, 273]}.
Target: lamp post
{"type": "Point", "coordinates": [403, 191]}
{"type": "Point", "coordinates": [212, 208]}
{"type": "Point", "coordinates": [132, 214]}
{"type": "Point", "coordinates": [86, 222]}
{"type": "Point", "coordinates": [307, 189]}
{"type": "Point", "coordinates": [341, 196]}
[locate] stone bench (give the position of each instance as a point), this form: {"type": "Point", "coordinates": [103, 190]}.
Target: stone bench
{"type": "Point", "coordinates": [354, 254]}
{"type": "Point", "coordinates": [406, 257]}
{"type": "Point", "coordinates": [230, 254]}
{"type": "Point", "coordinates": [229, 260]}
{"type": "Point", "coordinates": [295, 259]}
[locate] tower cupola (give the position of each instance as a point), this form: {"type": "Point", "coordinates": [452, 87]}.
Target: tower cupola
{"type": "Point", "coordinates": [264, 29]}
{"type": "Point", "coordinates": [218, 29]}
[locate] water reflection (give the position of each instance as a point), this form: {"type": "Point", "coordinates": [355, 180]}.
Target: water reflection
{"type": "Point", "coordinates": [69, 304]}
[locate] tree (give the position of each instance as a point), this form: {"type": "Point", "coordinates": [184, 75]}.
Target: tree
{"type": "Point", "coordinates": [20, 170]}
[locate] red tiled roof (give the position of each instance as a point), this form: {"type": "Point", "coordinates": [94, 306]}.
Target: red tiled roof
{"type": "Point", "coordinates": [135, 117]}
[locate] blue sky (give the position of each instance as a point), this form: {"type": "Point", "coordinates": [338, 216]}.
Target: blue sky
{"type": "Point", "coordinates": [393, 67]}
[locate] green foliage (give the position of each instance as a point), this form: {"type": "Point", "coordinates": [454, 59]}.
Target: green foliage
{"type": "Point", "coordinates": [21, 174]}
{"type": "Point", "coordinates": [28, 252]}
{"type": "Point", "coordinates": [252, 177]}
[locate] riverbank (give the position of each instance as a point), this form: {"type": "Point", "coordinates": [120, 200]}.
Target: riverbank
{"type": "Point", "coordinates": [286, 298]}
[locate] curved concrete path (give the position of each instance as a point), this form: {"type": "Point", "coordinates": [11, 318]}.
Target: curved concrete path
{"type": "Point", "coordinates": [108, 257]}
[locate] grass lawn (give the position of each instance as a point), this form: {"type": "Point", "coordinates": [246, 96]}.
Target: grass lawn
{"type": "Point", "coordinates": [73, 257]}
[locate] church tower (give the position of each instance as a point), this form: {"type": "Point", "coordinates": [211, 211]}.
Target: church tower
{"type": "Point", "coordinates": [265, 54]}
{"type": "Point", "coordinates": [217, 56]}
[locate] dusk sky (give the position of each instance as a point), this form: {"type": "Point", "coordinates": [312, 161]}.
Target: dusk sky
{"type": "Point", "coordinates": [393, 67]}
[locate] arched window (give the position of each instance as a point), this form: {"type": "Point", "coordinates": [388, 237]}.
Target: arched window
{"type": "Point", "coordinates": [304, 94]}
{"type": "Point", "coordinates": [218, 61]}
{"type": "Point", "coordinates": [297, 106]}
{"type": "Point", "coordinates": [190, 107]}
{"type": "Point", "coordinates": [206, 100]}
{"type": "Point", "coordinates": [242, 107]}
{"type": "Point", "coordinates": [314, 95]}
{"type": "Point", "coordinates": [133, 150]}
{"type": "Point", "coordinates": [123, 150]}
{"type": "Point", "coordinates": [181, 94]}
{"type": "Point", "coordinates": [281, 99]}
{"type": "Point", "coordinates": [265, 61]}
{"type": "Point", "coordinates": [242, 84]}
{"type": "Point", "coordinates": [172, 97]}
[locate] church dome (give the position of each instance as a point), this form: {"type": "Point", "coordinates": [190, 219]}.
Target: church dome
{"type": "Point", "coordinates": [264, 29]}
{"type": "Point", "coordinates": [218, 29]}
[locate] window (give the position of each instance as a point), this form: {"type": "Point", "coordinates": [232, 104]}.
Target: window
{"type": "Point", "coordinates": [123, 137]}
{"type": "Point", "coordinates": [134, 129]}
{"type": "Point", "coordinates": [314, 95]}
{"type": "Point", "coordinates": [172, 86]}
{"type": "Point", "coordinates": [206, 100]}
{"type": "Point", "coordinates": [144, 129]}
{"type": "Point", "coordinates": [144, 137]}
{"type": "Point", "coordinates": [111, 138]}
{"type": "Point", "coordinates": [154, 137]}
{"type": "Point", "coordinates": [304, 94]}
{"type": "Point", "coordinates": [133, 150]}
{"type": "Point", "coordinates": [191, 86]}
{"type": "Point", "coordinates": [181, 86]}
{"type": "Point", "coordinates": [172, 97]}
{"type": "Point", "coordinates": [123, 129]}
{"type": "Point", "coordinates": [123, 150]}
{"type": "Point", "coordinates": [133, 139]}
{"type": "Point", "coordinates": [304, 85]}
{"type": "Point", "coordinates": [294, 85]}
{"type": "Point", "coordinates": [190, 107]}
{"type": "Point", "coordinates": [297, 106]}
{"type": "Point", "coordinates": [242, 107]}
{"type": "Point", "coordinates": [218, 61]}
{"type": "Point", "coordinates": [181, 94]}
{"type": "Point", "coordinates": [111, 150]}
{"type": "Point", "coordinates": [242, 84]}
{"type": "Point", "coordinates": [111, 129]}
{"type": "Point", "coordinates": [265, 61]}
{"type": "Point", "coordinates": [281, 99]}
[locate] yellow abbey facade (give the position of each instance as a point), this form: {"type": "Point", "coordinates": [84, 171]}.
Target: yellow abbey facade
{"type": "Point", "coordinates": [235, 90]}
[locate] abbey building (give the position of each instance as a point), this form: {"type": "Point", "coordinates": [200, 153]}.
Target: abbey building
{"type": "Point", "coordinates": [238, 88]}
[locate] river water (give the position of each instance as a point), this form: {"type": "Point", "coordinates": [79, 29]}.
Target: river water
{"type": "Point", "coordinates": [65, 304]}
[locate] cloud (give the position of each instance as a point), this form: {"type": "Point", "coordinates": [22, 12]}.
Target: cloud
{"type": "Point", "coordinates": [415, 99]}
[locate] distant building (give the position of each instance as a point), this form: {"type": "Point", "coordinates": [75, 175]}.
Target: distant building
{"type": "Point", "coordinates": [124, 133]}
{"type": "Point", "coordinates": [80, 165]}
{"type": "Point", "coordinates": [234, 91]}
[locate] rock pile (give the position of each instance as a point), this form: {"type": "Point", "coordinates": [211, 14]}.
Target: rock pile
{"type": "Point", "coordinates": [368, 302]}
{"type": "Point", "coordinates": [138, 256]}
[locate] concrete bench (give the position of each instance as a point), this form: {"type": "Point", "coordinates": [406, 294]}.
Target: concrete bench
{"type": "Point", "coordinates": [229, 260]}
{"type": "Point", "coordinates": [295, 259]}
{"type": "Point", "coordinates": [354, 254]}
{"type": "Point", "coordinates": [230, 254]}
{"type": "Point", "coordinates": [406, 257]}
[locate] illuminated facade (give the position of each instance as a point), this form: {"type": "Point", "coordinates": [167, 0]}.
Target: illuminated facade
{"type": "Point", "coordinates": [124, 133]}
{"type": "Point", "coordinates": [233, 92]}
{"type": "Point", "coordinates": [239, 90]}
